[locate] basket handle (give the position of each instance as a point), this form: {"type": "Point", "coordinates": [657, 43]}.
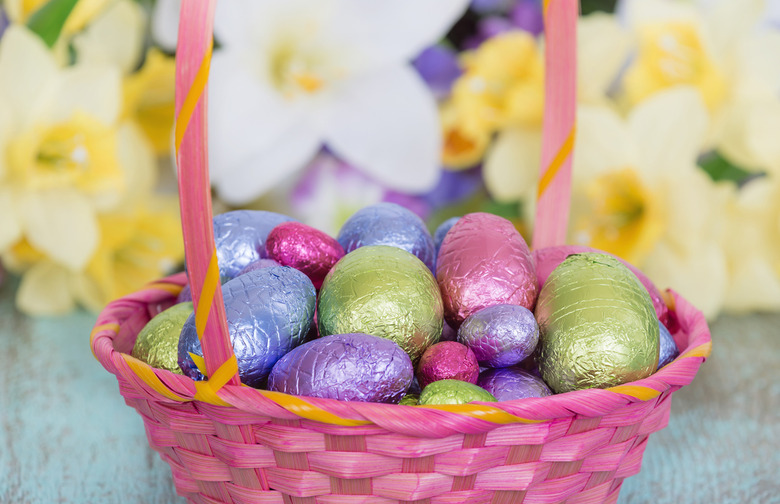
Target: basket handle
{"type": "Point", "coordinates": [553, 196]}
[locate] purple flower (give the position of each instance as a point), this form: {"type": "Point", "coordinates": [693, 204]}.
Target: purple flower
{"type": "Point", "coordinates": [438, 66]}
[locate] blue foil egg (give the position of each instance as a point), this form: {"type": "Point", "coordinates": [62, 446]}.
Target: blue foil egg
{"type": "Point", "coordinates": [668, 348]}
{"type": "Point", "coordinates": [512, 383]}
{"type": "Point", "coordinates": [392, 225]}
{"type": "Point", "coordinates": [240, 236]}
{"type": "Point", "coordinates": [269, 312]}
{"type": "Point", "coordinates": [500, 335]}
{"type": "Point", "coordinates": [441, 232]}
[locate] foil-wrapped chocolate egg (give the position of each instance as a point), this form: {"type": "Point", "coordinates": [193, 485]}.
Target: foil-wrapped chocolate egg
{"type": "Point", "coordinates": [441, 232]}
{"type": "Point", "coordinates": [388, 224]}
{"type": "Point", "coordinates": [269, 312]}
{"type": "Point", "coordinates": [500, 335]}
{"type": "Point", "coordinates": [511, 383]}
{"type": "Point", "coordinates": [410, 400]}
{"type": "Point", "coordinates": [240, 236]}
{"type": "Point", "coordinates": [447, 360]}
{"type": "Point", "coordinates": [184, 295]}
{"type": "Point", "coordinates": [668, 348]}
{"type": "Point", "coordinates": [597, 325]}
{"type": "Point", "coordinates": [484, 261]}
{"type": "Point", "coordinates": [304, 248]}
{"type": "Point", "coordinates": [454, 392]}
{"type": "Point", "coordinates": [384, 291]}
{"type": "Point", "coordinates": [347, 367]}
{"type": "Point", "coordinates": [548, 258]}
{"type": "Point", "coordinates": [448, 333]}
{"type": "Point", "coordinates": [157, 343]}
{"type": "Point", "coordinates": [259, 264]}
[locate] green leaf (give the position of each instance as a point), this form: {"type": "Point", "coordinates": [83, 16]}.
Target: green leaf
{"type": "Point", "coordinates": [47, 22]}
{"type": "Point", "coordinates": [719, 168]}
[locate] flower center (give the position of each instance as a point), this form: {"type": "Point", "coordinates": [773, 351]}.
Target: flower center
{"type": "Point", "coordinates": [297, 69]}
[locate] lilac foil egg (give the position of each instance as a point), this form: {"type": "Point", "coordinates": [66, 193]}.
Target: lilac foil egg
{"type": "Point", "coordinates": [448, 333]}
{"type": "Point", "coordinates": [441, 232]}
{"type": "Point", "coordinates": [185, 295]}
{"type": "Point", "coordinates": [269, 312]}
{"type": "Point", "coordinates": [388, 224]}
{"type": "Point", "coordinates": [304, 248]}
{"type": "Point", "coordinates": [347, 367]}
{"type": "Point", "coordinates": [258, 265]}
{"type": "Point", "coordinates": [511, 383]}
{"type": "Point", "coordinates": [240, 236]}
{"type": "Point", "coordinates": [447, 360]}
{"type": "Point", "coordinates": [484, 261]}
{"type": "Point", "coordinates": [668, 349]}
{"type": "Point", "coordinates": [500, 335]}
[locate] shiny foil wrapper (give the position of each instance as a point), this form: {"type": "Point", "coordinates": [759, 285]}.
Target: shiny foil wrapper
{"type": "Point", "coordinates": [347, 367]}
{"type": "Point", "coordinates": [410, 400]}
{"type": "Point", "coordinates": [240, 236]}
{"type": "Point", "coordinates": [185, 295]}
{"type": "Point", "coordinates": [441, 232]}
{"type": "Point", "coordinates": [258, 265]}
{"type": "Point", "coordinates": [392, 225]}
{"type": "Point", "coordinates": [597, 325]}
{"type": "Point", "coordinates": [548, 258]}
{"type": "Point", "coordinates": [383, 291]}
{"type": "Point", "coordinates": [269, 312]}
{"type": "Point", "coordinates": [510, 383]}
{"type": "Point", "coordinates": [304, 248]}
{"type": "Point", "coordinates": [447, 360]}
{"type": "Point", "coordinates": [454, 392]}
{"type": "Point", "coordinates": [500, 335]}
{"type": "Point", "coordinates": [668, 348]}
{"type": "Point", "coordinates": [158, 342]}
{"type": "Point", "coordinates": [484, 261]}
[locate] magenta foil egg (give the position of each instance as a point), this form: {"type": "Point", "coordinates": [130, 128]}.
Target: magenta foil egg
{"type": "Point", "coordinates": [447, 360]}
{"type": "Point", "coordinates": [484, 261]}
{"type": "Point", "coordinates": [304, 248]}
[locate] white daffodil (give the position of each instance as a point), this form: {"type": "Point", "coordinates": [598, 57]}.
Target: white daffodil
{"type": "Point", "coordinates": [293, 75]}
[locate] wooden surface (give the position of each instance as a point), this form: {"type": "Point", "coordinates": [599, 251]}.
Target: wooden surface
{"type": "Point", "coordinates": [66, 435]}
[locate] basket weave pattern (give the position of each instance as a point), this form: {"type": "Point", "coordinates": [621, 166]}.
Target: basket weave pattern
{"type": "Point", "coordinates": [258, 452]}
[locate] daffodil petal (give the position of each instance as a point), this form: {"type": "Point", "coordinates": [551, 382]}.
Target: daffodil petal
{"type": "Point", "coordinates": [45, 290]}
{"type": "Point", "coordinates": [753, 285]}
{"type": "Point", "coordinates": [10, 230]}
{"type": "Point", "coordinates": [603, 143]}
{"type": "Point", "coordinates": [669, 129]}
{"type": "Point", "coordinates": [136, 159]}
{"type": "Point", "coordinates": [511, 166]}
{"type": "Point", "coordinates": [635, 13]}
{"type": "Point", "coordinates": [728, 22]}
{"type": "Point", "coordinates": [114, 38]}
{"type": "Point", "coordinates": [165, 23]}
{"type": "Point", "coordinates": [28, 74]}
{"type": "Point", "coordinates": [387, 125]}
{"type": "Point", "coordinates": [602, 48]}
{"type": "Point", "coordinates": [62, 224]}
{"type": "Point", "coordinates": [89, 89]}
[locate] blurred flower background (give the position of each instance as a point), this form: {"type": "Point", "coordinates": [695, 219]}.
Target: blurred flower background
{"type": "Point", "coordinates": [318, 108]}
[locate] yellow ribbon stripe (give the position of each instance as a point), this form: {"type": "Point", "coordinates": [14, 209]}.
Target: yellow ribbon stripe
{"type": "Point", "coordinates": [206, 391]}
{"type": "Point", "coordinates": [557, 162]}
{"type": "Point", "coordinates": [545, 7]}
{"type": "Point", "coordinates": [303, 409]}
{"type": "Point", "coordinates": [192, 98]}
{"type": "Point", "coordinates": [174, 289]}
{"type": "Point", "coordinates": [144, 372]}
{"type": "Point", "coordinates": [636, 391]}
{"type": "Point", "coordinates": [103, 327]}
{"type": "Point", "coordinates": [486, 413]}
{"type": "Point", "coordinates": [703, 350]}
{"type": "Point", "coordinates": [210, 284]}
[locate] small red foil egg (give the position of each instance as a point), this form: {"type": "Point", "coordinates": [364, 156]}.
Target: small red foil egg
{"type": "Point", "coordinates": [304, 248]}
{"type": "Point", "coordinates": [447, 360]}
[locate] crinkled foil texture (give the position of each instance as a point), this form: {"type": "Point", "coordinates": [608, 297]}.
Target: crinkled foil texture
{"type": "Point", "coordinates": [510, 383]}
{"type": "Point", "coordinates": [158, 342]}
{"type": "Point", "coordinates": [441, 232]}
{"type": "Point", "coordinates": [240, 236]}
{"type": "Point", "coordinates": [304, 248]}
{"type": "Point", "coordinates": [454, 392]}
{"type": "Point", "coordinates": [484, 261]}
{"type": "Point", "coordinates": [269, 312]}
{"type": "Point", "coordinates": [347, 367]}
{"type": "Point", "coordinates": [447, 360]}
{"type": "Point", "coordinates": [597, 325]}
{"type": "Point", "coordinates": [392, 225]}
{"type": "Point", "coordinates": [500, 335]}
{"type": "Point", "coordinates": [668, 348]}
{"type": "Point", "coordinates": [383, 291]}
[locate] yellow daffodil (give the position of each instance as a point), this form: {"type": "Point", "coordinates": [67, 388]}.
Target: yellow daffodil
{"type": "Point", "coordinates": [19, 11]}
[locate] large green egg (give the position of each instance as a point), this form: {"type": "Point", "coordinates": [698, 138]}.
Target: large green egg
{"type": "Point", "coordinates": [383, 291]}
{"type": "Point", "coordinates": [158, 342]}
{"type": "Point", "coordinates": [597, 325]}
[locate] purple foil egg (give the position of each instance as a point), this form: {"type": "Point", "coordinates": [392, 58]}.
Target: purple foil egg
{"type": "Point", "coordinates": [441, 232]}
{"type": "Point", "coordinates": [269, 312]}
{"type": "Point", "coordinates": [511, 383]}
{"type": "Point", "coordinates": [388, 224]}
{"type": "Point", "coordinates": [447, 360]}
{"type": "Point", "coordinates": [484, 261]}
{"type": "Point", "coordinates": [185, 295]}
{"type": "Point", "coordinates": [258, 265]}
{"type": "Point", "coordinates": [304, 248]}
{"type": "Point", "coordinates": [240, 236]}
{"type": "Point", "coordinates": [668, 349]}
{"type": "Point", "coordinates": [500, 335]}
{"type": "Point", "coordinates": [448, 333]}
{"type": "Point", "coordinates": [347, 367]}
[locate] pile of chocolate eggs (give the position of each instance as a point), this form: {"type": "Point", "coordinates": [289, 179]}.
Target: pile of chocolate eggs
{"type": "Point", "coordinates": [386, 312]}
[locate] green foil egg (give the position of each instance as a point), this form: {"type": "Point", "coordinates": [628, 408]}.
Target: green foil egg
{"type": "Point", "coordinates": [597, 325]}
{"type": "Point", "coordinates": [386, 292]}
{"type": "Point", "coordinates": [410, 400]}
{"type": "Point", "coordinates": [454, 392]}
{"type": "Point", "coordinates": [158, 342]}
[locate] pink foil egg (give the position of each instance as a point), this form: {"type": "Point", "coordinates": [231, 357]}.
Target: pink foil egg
{"type": "Point", "coordinates": [304, 248]}
{"type": "Point", "coordinates": [447, 360]}
{"type": "Point", "coordinates": [548, 258]}
{"type": "Point", "coordinates": [484, 261]}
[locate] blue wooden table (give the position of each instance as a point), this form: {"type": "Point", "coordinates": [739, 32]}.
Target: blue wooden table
{"type": "Point", "coordinates": [66, 435]}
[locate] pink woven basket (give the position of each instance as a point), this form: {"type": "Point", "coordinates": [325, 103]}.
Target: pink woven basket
{"type": "Point", "coordinates": [232, 444]}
